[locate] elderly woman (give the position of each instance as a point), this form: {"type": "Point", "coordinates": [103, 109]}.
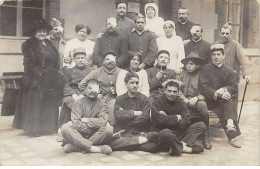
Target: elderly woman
{"type": "Point", "coordinates": [154, 23]}
{"type": "Point", "coordinates": [80, 41]}
{"type": "Point", "coordinates": [143, 78]}
{"type": "Point", "coordinates": [41, 84]}
{"type": "Point", "coordinates": [173, 44]}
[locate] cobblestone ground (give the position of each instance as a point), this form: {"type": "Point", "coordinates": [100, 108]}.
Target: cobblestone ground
{"type": "Point", "coordinates": [17, 149]}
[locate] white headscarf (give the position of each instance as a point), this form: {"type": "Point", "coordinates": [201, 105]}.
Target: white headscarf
{"type": "Point", "coordinates": [154, 6]}
{"type": "Point", "coordinates": [173, 24]}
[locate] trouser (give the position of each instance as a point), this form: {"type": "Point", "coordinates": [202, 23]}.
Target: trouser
{"type": "Point", "coordinates": [65, 114]}
{"type": "Point", "coordinates": [131, 143]}
{"type": "Point", "coordinates": [85, 140]}
{"type": "Point", "coordinates": [225, 109]}
{"type": "Point", "coordinates": [110, 101]}
{"type": "Point", "coordinates": [69, 101]}
{"type": "Point", "coordinates": [202, 110]}
{"type": "Point", "coordinates": [170, 139]}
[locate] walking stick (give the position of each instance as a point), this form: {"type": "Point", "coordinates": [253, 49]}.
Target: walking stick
{"type": "Point", "coordinates": [242, 102]}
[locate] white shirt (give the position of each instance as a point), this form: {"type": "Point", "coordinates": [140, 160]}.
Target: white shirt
{"type": "Point", "coordinates": [175, 47]}
{"type": "Point", "coordinates": [143, 83]}
{"type": "Point", "coordinates": [76, 43]}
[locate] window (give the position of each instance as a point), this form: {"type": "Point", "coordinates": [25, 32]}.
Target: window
{"type": "Point", "coordinates": [17, 17]}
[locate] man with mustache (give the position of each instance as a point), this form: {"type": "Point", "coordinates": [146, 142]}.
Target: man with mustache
{"type": "Point", "coordinates": [88, 130]}
{"type": "Point", "coordinates": [159, 73]}
{"type": "Point", "coordinates": [110, 40]}
{"type": "Point", "coordinates": [197, 44]}
{"type": "Point", "coordinates": [125, 25]}
{"type": "Point", "coordinates": [132, 112]}
{"type": "Point", "coordinates": [183, 25]}
{"type": "Point", "coordinates": [142, 43]}
{"type": "Point", "coordinates": [107, 76]}
{"type": "Point", "coordinates": [218, 84]}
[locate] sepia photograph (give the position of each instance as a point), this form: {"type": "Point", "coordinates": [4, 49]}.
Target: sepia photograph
{"type": "Point", "coordinates": [129, 83]}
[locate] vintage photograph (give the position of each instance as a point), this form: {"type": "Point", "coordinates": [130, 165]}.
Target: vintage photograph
{"type": "Point", "coordinates": [129, 83]}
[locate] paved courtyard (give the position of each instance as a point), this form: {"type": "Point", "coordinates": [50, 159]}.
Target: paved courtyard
{"type": "Point", "coordinates": [18, 149]}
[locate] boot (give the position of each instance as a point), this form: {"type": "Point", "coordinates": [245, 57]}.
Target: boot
{"type": "Point", "coordinates": [206, 142]}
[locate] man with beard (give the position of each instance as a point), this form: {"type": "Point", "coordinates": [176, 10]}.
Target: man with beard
{"type": "Point", "coordinates": [110, 40]}
{"type": "Point", "coordinates": [132, 119]}
{"type": "Point", "coordinates": [56, 39]}
{"type": "Point", "coordinates": [197, 44]}
{"type": "Point", "coordinates": [107, 76]}
{"type": "Point", "coordinates": [125, 25]}
{"type": "Point", "coordinates": [218, 84]}
{"type": "Point", "coordinates": [142, 43]}
{"type": "Point", "coordinates": [183, 25]}
{"type": "Point", "coordinates": [88, 130]}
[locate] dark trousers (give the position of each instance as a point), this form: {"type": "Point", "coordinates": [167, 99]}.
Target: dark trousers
{"type": "Point", "coordinates": [202, 110]}
{"type": "Point", "coordinates": [131, 143]}
{"type": "Point", "coordinates": [225, 109]}
{"type": "Point", "coordinates": [85, 140]}
{"type": "Point", "coordinates": [65, 114]}
{"type": "Point", "coordinates": [170, 139]}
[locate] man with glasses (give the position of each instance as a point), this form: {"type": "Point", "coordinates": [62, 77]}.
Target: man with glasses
{"type": "Point", "coordinates": [142, 43]}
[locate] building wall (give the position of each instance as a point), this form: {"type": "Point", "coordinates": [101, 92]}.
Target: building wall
{"type": "Point", "coordinates": [89, 12]}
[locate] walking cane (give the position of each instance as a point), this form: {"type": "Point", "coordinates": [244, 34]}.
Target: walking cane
{"type": "Point", "coordinates": [242, 102]}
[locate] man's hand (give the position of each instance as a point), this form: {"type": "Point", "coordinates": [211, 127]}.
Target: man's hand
{"type": "Point", "coordinates": [84, 120]}
{"type": "Point", "coordinates": [159, 75]}
{"type": "Point", "coordinates": [142, 66]}
{"type": "Point", "coordinates": [178, 71]}
{"type": "Point", "coordinates": [192, 102]}
{"type": "Point", "coordinates": [226, 95]}
{"type": "Point", "coordinates": [75, 97]}
{"type": "Point", "coordinates": [179, 117]}
{"type": "Point", "coordinates": [185, 42]}
{"type": "Point", "coordinates": [163, 113]}
{"type": "Point", "coordinates": [80, 96]}
{"type": "Point", "coordinates": [137, 113]}
{"type": "Point", "coordinates": [218, 93]}
{"type": "Point", "coordinates": [247, 78]}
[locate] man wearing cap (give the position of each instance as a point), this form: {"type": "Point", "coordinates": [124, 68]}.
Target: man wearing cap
{"type": "Point", "coordinates": [234, 55]}
{"type": "Point", "coordinates": [88, 130]}
{"type": "Point", "coordinates": [56, 38]}
{"type": "Point", "coordinates": [197, 44]}
{"type": "Point", "coordinates": [183, 25]}
{"type": "Point", "coordinates": [107, 76]}
{"type": "Point", "coordinates": [171, 118]}
{"type": "Point", "coordinates": [110, 40]}
{"type": "Point", "coordinates": [132, 112]}
{"type": "Point", "coordinates": [125, 25]}
{"type": "Point", "coordinates": [218, 84]}
{"type": "Point", "coordinates": [159, 73]}
{"type": "Point", "coordinates": [73, 76]}
{"type": "Point", "coordinates": [194, 99]}
{"type": "Point", "coordinates": [143, 43]}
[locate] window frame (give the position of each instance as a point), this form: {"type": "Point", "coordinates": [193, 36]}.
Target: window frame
{"type": "Point", "coordinates": [19, 22]}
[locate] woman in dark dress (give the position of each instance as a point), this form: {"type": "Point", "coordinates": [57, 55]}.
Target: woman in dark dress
{"type": "Point", "coordinates": [37, 110]}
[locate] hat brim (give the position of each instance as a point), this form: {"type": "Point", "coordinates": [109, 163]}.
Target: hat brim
{"type": "Point", "coordinates": [184, 61]}
{"type": "Point", "coordinates": [47, 27]}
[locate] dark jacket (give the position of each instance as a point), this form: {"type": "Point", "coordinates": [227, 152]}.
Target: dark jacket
{"type": "Point", "coordinates": [146, 42]}
{"type": "Point", "coordinates": [183, 30]}
{"type": "Point", "coordinates": [172, 109]}
{"type": "Point", "coordinates": [110, 42]}
{"type": "Point", "coordinates": [213, 78]}
{"type": "Point", "coordinates": [37, 72]}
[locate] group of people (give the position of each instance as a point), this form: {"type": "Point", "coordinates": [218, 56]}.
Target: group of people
{"type": "Point", "coordinates": [137, 87]}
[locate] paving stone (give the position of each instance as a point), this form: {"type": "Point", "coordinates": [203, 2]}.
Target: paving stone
{"type": "Point", "coordinates": [19, 149]}
{"type": "Point", "coordinates": [130, 157]}
{"type": "Point", "coordinates": [109, 159]}
{"type": "Point", "coordinates": [141, 152]}
{"type": "Point", "coordinates": [5, 156]}
{"type": "Point", "coordinates": [27, 154]}
{"type": "Point", "coordinates": [12, 162]}
{"type": "Point", "coordinates": [35, 161]}
{"type": "Point", "coordinates": [155, 158]}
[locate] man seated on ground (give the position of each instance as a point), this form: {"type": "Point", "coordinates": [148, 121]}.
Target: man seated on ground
{"type": "Point", "coordinates": [218, 83]}
{"type": "Point", "coordinates": [107, 76]}
{"type": "Point", "coordinates": [88, 129]}
{"type": "Point", "coordinates": [71, 91]}
{"type": "Point", "coordinates": [159, 73]}
{"type": "Point", "coordinates": [132, 119]}
{"type": "Point", "coordinates": [171, 118]}
{"type": "Point", "coordinates": [195, 101]}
